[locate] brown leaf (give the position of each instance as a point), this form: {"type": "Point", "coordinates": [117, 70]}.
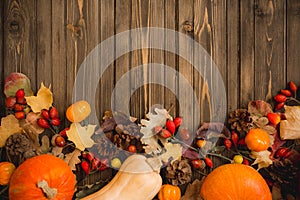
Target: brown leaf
{"type": "Point", "coordinates": [259, 107]}
{"type": "Point", "coordinates": [72, 159]}
{"type": "Point", "coordinates": [9, 125]}
{"type": "Point", "coordinates": [289, 128]}
{"type": "Point", "coordinates": [193, 190]}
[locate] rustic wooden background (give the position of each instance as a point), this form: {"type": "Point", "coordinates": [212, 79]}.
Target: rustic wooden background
{"type": "Point", "coordinates": [255, 44]}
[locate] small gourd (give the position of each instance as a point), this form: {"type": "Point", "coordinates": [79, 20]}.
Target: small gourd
{"type": "Point", "coordinates": [78, 111]}
{"type": "Point", "coordinates": [169, 192]}
{"type": "Point", "coordinates": [257, 140]}
{"type": "Point", "coordinates": [6, 170]}
{"type": "Point", "coordinates": [234, 181]}
{"type": "Point", "coordinates": [135, 180]}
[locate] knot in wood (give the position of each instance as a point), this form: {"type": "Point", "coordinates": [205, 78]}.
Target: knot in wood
{"type": "Point", "coordinates": [188, 26]}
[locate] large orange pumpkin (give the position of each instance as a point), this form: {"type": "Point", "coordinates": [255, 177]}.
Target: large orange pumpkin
{"type": "Point", "coordinates": [40, 173]}
{"type": "Point", "coordinates": [235, 181]}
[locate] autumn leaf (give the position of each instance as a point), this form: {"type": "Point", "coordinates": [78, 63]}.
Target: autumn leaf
{"type": "Point", "coordinates": [81, 135]}
{"type": "Point", "coordinates": [262, 158]}
{"type": "Point", "coordinates": [9, 125]}
{"type": "Point", "coordinates": [259, 108]}
{"type": "Point", "coordinates": [173, 151]}
{"type": "Point", "coordinates": [192, 191]}
{"type": "Point", "coordinates": [289, 128]}
{"type": "Point", "coordinates": [16, 81]}
{"type": "Point", "coordinates": [72, 159]}
{"type": "Point", "coordinates": [43, 99]}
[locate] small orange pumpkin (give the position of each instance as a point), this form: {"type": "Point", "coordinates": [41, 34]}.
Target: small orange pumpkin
{"type": "Point", "coordinates": [6, 170]}
{"type": "Point", "coordinates": [257, 140]}
{"type": "Point", "coordinates": [78, 111]}
{"type": "Point", "coordinates": [234, 181]}
{"type": "Point", "coordinates": [42, 177]}
{"type": "Point", "coordinates": [169, 192]}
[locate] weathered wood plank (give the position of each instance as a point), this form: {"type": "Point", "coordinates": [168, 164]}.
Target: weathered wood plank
{"type": "Point", "coordinates": [2, 96]}
{"type": "Point", "coordinates": [20, 38]}
{"type": "Point", "coordinates": [107, 9]}
{"type": "Point", "coordinates": [170, 58]}
{"type": "Point", "coordinates": [122, 23]}
{"type": "Point", "coordinates": [139, 99]}
{"type": "Point", "coordinates": [233, 56]}
{"type": "Point", "coordinates": [44, 37]}
{"type": "Point", "coordinates": [269, 48]}
{"type": "Point", "coordinates": [59, 69]}
{"type": "Point", "coordinates": [247, 53]}
{"type": "Point", "coordinates": [156, 19]}
{"type": "Point", "coordinates": [218, 41]}
{"type": "Point", "coordinates": [185, 98]}
{"type": "Point", "coordinates": [293, 40]}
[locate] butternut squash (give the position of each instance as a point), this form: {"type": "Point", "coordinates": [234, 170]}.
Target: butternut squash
{"type": "Point", "coordinates": [136, 180]}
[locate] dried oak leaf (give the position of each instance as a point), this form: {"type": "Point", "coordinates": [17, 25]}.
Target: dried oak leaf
{"type": "Point", "coordinates": [173, 151]}
{"type": "Point", "coordinates": [9, 125]}
{"type": "Point", "coordinates": [262, 158]}
{"type": "Point", "coordinates": [72, 159]}
{"type": "Point", "coordinates": [259, 107]}
{"type": "Point", "coordinates": [149, 138]}
{"type": "Point", "coordinates": [289, 128]}
{"type": "Point", "coordinates": [81, 135]}
{"type": "Point", "coordinates": [43, 99]}
{"type": "Point", "coordinates": [193, 190]}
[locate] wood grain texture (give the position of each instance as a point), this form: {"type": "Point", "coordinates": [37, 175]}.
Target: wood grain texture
{"type": "Point", "coordinates": [247, 43]}
{"type": "Point", "coordinates": [293, 39]}
{"type": "Point", "coordinates": [2, 96]}
{"type": "Point", "coordinates": [58, 56]}
{"type": "Point", "coordinates": [20, 38]}
{"type": "Point", "coordinates": [233, 54]}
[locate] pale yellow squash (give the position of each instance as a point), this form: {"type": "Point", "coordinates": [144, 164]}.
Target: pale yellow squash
{"type": "Point", "coordinates": [135, 180]}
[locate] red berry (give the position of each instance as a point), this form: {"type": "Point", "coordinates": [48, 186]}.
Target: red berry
{"type": "Point", "coordinates": [84, 154]}
{"type": "Point", "coordinates": [242, 142]}
{"type": "Point", "coordinates": [20, 93]}
{"type": "Point", "coordinates": [20, 115]}
{"type": "Point", "coordinates": [53, 112]}
{"type": "Point", "coordinates": [282, 152]}
{"type": "Point", "coordinates": [227, 143]}
{"type": "Point", "coordinates": [90, 156]}
{"type": "Point", "coordinates": [197, 164]}
{"type": "Point", "coordinates": [279, 98]}
{"type": "Point", "coordinates": [63, 133]}
{"type": "Point", "coordinates": [165, 133]}
{"type": "Point", "coordinates": [287, 93]}
{"type": "Point", "coordinates": [274, 118]}
{"type": "Point", "coordinates": [184, 134]}
{"type": "Point", "coordinates": [177, 121]}
{"type": "Point", "coordinates": [85, 166]}
{"type": "Point", "coordinates": [208, 162]}
{"type": "Point", "coordinates": [60, 141]}
{"type": "Point", "coordinates": [55, 121]}
{"type": "Point", "coordinates": [18, 107]}
{"type": "Point", "coordinates": [131, 148]}
{"type": "Point", "coordinates": [96, 163]}
{"type": "Point", "coordinates": [170, 125]}
{"type": "Point", "coordinates": [43, 123]}
{"type": "Point", "coordinates": [293, 86]}
{"type": "Point", "coordinates": [245, 161]}
{"type": "Point", "coordinates": [45, 114]}
{"type": "Point", "coordinates": [21, 101]}
{"type": "Point", "coordinates": [279, 106]}
{"type": "Point", "coordinates": [234, 138]}
{"type": "Point", "coordinates": [104, 164]}
{"type": "Point", "coordinates": [10, 102]}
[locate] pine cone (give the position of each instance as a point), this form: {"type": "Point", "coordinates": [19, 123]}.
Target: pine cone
{"type": "Point", "coordinates": [284, 172]}
{"type": "Point", "coordinates": [179, 172]}
{"type": "Point", "coordinates": [19, 148]}
{"type": "Point", "coordinates": [105, 147]}
{"type": "Point", "coordinates": [240, 121]}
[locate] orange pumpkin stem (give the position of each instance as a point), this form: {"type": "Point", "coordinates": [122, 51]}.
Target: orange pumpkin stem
{"type": "Point", "coordinates": [49, 192]}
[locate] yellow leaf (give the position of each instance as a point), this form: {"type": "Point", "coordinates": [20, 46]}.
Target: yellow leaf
{"type": "Point", "coordinates": [262, 158]}
{"type": "Point", "coordinates": [173, 151]}
{"type": "Point", "coordinates": [43, 99]}
{"type": "Point", "coordinates": [81, 135]}
{"type": "Point", "coordinates": [9, 125]}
